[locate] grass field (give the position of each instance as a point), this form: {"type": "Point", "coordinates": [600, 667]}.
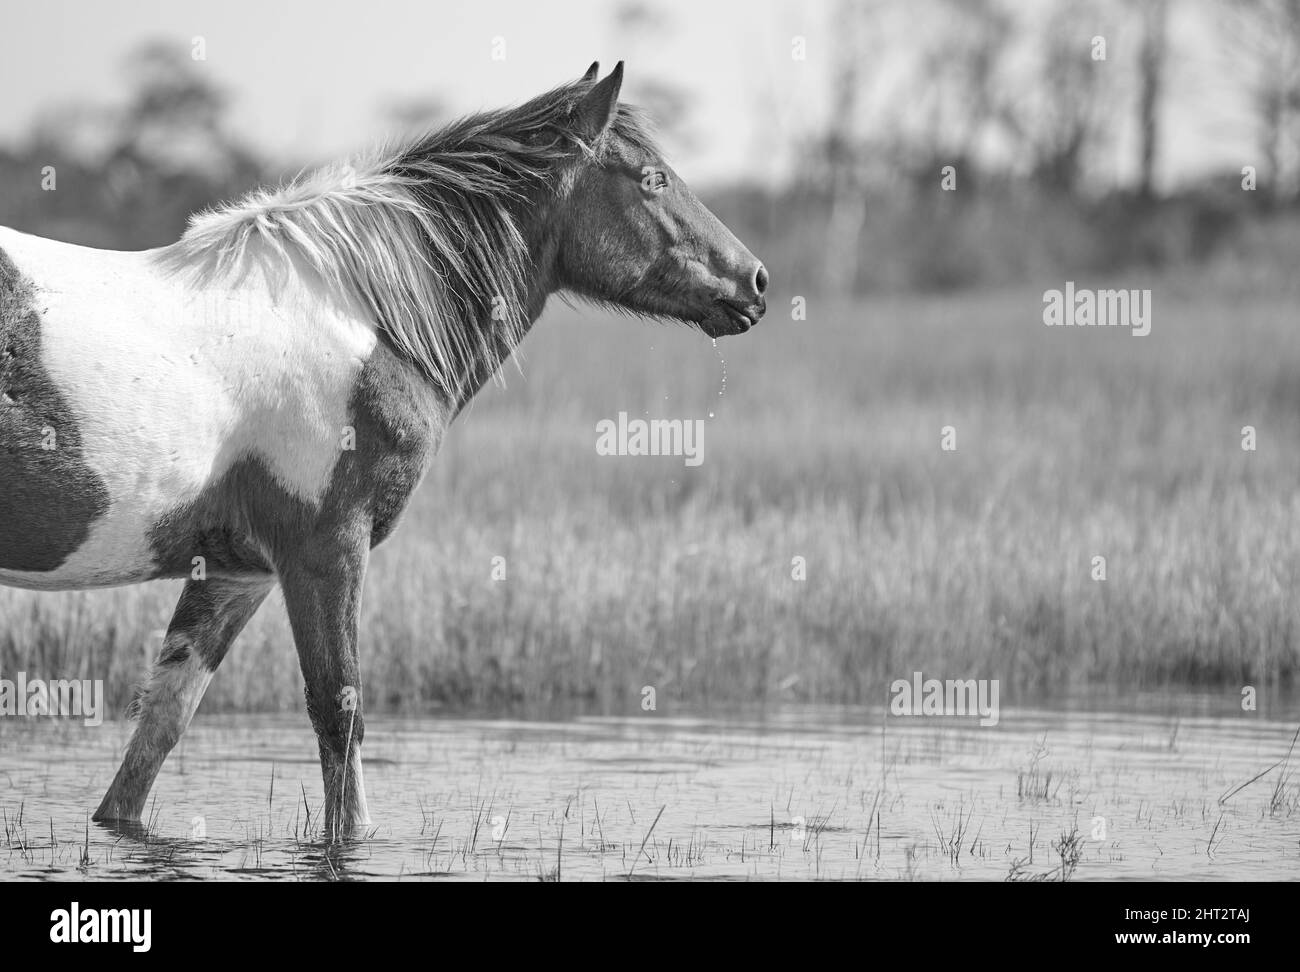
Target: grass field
{"type": "Point", "coordinates": [627, 572]}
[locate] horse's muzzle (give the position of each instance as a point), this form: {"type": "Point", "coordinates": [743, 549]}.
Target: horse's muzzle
{"type": "Point", "coordinates": [730, 317]}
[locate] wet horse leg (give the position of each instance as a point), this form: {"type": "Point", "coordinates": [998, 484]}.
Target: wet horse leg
{"type": "Point", "coordinates": [208, 617]}
{"type": "Point", "coordinates": [322, 593]}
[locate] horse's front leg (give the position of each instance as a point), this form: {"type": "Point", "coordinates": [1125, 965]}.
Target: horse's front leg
{"type": "Point", "coordinates": [208, 616]}
{"type": "Point", "coordinates": [322, 583]}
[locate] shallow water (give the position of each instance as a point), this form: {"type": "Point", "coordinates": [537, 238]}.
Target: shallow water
{"type": "Point", "coordinates": [801, 793]}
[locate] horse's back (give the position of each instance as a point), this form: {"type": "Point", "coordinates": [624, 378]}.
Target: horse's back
{"type": "Point", "coordinates": [127, 392]}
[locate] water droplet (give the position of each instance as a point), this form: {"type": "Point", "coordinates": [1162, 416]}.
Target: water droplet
{"type": "Point", "coordinates": [722, 364]}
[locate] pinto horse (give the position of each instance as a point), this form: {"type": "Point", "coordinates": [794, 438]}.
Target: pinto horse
{"type": "Point", "coordinates": [255, 403]}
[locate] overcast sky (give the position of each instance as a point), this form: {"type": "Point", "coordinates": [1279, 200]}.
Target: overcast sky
{"type": "Point", "coordinates": [310, 78]}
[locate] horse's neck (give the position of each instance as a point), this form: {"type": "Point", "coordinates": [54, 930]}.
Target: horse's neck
{"type": "Point", "coordinates": [479, 373]}
{"type": "Point", "coordinates": [543, 247]}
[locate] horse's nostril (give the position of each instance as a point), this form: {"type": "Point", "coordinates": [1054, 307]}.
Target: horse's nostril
{"type": "Point", "coordinates": [760, 280]}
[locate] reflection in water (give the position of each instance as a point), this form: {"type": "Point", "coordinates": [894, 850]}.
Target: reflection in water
{"type": "Point", "coordinates": [803, 793]}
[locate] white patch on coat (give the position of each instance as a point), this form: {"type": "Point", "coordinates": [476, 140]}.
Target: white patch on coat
{"type": "Point", "coordinates": [172, 383]}
{"type": "Point", "coordinates": [356, 793]}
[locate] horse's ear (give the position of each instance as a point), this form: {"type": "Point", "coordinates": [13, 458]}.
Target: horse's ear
{"type": "Point", "coordinates": [598, 106]}
{"type": "Point", "coordinates": [591, 72]}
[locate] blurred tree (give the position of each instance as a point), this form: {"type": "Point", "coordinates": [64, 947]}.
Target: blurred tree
{"type": "Point", "coordinates": [85, 130]}
{"type": "Point", "coordinates": [961, 83]}
{"type": "Point", "coordinates": [1151, 69]}
{"type": "Point", "coordinates": [129, 177]}
{"type": "Point", "coordinates": [839, 155]}
{"type": "Point", "coordinates": [173, 154]}
{"type": "Point", "coordinates": [1265, 44]}
{"type": "Point", "coordinates": [1057, 124]}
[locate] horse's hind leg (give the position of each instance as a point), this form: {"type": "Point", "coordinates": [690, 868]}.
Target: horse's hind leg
{"type": "Point", "coordinates": [208, 617]}
{"type": "Point", "coordinates": [322, 594]}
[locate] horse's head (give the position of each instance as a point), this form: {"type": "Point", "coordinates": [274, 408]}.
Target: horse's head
{"type": "Point", "coordinates": [632, 233]}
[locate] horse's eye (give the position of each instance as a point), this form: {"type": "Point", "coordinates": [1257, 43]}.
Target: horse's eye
{"type": "Point", "coordinates": [653, 180]}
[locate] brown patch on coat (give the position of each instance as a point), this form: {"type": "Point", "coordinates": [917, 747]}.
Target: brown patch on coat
{"type": "Point", "coordinates": [49, 496]}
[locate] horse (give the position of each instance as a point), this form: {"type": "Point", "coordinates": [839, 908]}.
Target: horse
{"type": "Point", "coordinates": [255, 403]}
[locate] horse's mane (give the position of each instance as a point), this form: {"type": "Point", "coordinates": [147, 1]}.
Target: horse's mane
{"type": "Point", "coordinates": [425, 237]}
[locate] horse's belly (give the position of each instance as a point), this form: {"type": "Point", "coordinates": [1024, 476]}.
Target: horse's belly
{"type": "Point", "coordinates": [63, 526]}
